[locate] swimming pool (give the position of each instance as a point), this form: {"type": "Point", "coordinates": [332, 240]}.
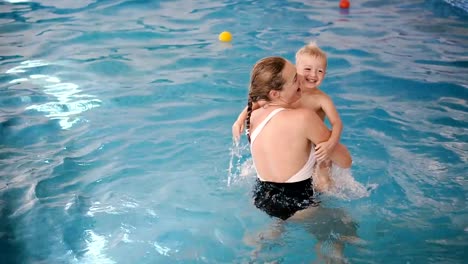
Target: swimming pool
{"type": "Point", "coordinates": [115, 122]}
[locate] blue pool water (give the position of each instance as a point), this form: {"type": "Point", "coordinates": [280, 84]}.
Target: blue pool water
{"type": "Point", "coordinates": [115, 131]}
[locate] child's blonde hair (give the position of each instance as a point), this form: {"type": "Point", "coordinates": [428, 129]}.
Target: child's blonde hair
{"type": "Point", "coordinates": [312, 49]}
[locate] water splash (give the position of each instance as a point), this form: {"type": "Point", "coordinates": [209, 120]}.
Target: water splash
{"type": "Point", "coordinates": [346, 187]}
{"type": "Point", "coordinates": [238, 168]}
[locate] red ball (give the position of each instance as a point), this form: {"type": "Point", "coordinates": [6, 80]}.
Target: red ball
{"type": "Point", "coordinates": [344, 4]}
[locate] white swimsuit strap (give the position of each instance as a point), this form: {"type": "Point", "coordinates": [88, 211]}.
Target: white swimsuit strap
{"type": "Point", "coordinates": [306, 171]}
{"type": "Point", "coordinates": [262, 125]}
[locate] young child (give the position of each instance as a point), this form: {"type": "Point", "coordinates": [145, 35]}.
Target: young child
{"type": "Point", "coordinates": [311, 65]}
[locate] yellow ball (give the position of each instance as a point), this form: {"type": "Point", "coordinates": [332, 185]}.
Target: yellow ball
{"type": "Point", "coordinates": [225, 36]}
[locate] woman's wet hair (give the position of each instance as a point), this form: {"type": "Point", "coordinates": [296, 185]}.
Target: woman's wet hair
{"type": "Point", "coordinates": [266, 76]}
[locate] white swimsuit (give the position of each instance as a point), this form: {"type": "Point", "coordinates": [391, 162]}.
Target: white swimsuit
{"type": "Point", "coordinates": [304, 173]}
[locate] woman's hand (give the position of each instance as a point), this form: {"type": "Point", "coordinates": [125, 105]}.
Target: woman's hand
{"type": "Point", "coordinates": [237, 129]}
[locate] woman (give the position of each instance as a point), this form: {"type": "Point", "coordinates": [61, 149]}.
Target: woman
{"type": "Point", "coordinates": [282, 141]}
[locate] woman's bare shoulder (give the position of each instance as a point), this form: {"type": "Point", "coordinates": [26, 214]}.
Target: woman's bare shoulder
{"type": "Point", "coordinates": [314, 95]}
{"type": "Point", "coordinates": [301, 114]}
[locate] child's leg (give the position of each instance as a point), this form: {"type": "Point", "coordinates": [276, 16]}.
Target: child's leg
{"type": "Point", "coordinates": [322, 179]}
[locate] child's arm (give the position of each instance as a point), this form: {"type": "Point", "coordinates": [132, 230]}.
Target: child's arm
{"type": "Point", "coordinates": [324, 149]}
{"type": "Point", "coordinates": [238, 126]}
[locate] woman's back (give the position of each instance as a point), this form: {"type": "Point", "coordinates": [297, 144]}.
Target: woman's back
{"type": "Point", "coordinates": [281, 148]}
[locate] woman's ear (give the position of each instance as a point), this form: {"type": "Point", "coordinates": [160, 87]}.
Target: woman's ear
{"type": "Point", "coordinates": [273, 94]}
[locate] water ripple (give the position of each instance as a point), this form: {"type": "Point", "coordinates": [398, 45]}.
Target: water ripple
{"type": "Point", "coordinates": [115, 127]}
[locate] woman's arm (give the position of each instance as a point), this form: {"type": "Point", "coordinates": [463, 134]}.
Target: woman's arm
{"type": "Point", "coordinates": [238, 126]}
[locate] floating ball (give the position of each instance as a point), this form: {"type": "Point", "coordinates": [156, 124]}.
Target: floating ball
{"type": "Point", "coordinates": [344, 4]}
{"type": "Point", "coordinates": [225, 36]}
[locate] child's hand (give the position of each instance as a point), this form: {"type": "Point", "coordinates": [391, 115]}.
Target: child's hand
{"type": "Point", "coordinates": [237, 129]}
{"type": "Point", "coordinates": [323, 151]}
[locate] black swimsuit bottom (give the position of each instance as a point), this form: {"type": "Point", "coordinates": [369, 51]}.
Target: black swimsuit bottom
{"type": "Point", "coordinates": [282, 200]}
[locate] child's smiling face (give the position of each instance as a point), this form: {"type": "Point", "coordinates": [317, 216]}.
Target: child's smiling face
{"type": "Point", "coordinates": [312, 70]}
